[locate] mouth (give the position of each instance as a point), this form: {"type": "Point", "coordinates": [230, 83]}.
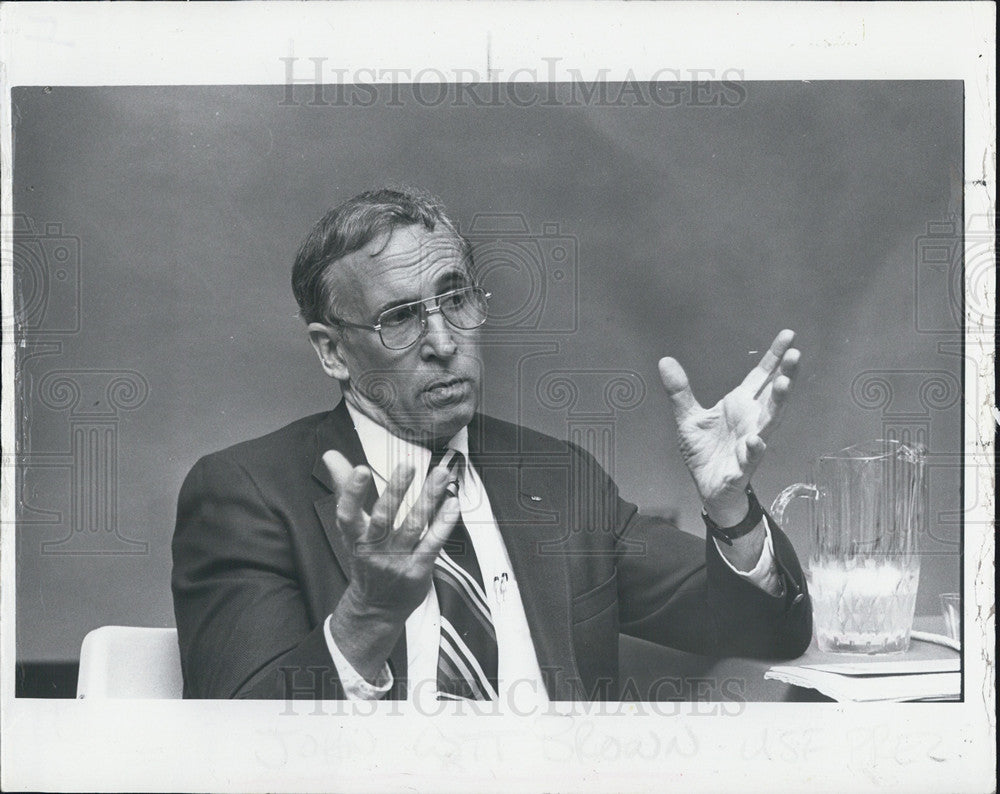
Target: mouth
{"type": "Point", "coordinates": [443, 384]}
{"type": "Point", "coordinates": [446, 389]}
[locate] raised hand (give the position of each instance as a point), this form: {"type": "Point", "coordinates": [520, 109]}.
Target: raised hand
{"type": "Point", "coordinates": [723, 445]}
{"type": "Point", "coordinates": [392, 566]}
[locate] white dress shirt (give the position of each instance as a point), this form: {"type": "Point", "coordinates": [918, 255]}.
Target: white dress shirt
{"type": "Point", "coordinates": [520, 679]}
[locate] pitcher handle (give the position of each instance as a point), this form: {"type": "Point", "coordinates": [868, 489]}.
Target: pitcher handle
{"type": "Point", "coordinates": [799, 489]}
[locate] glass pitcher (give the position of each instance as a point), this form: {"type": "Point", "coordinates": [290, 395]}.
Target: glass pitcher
{"type": "Point", "coordinates": [868, 505]}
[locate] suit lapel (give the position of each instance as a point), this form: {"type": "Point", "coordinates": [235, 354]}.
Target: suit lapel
{"type": "Point", "coordinates": [337, 432]}
{"type": "Point", "coordinates": [528, 528]}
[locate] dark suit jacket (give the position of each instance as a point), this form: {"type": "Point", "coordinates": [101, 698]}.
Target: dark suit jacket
{"type": "Point", "coordinates": [259, 563]}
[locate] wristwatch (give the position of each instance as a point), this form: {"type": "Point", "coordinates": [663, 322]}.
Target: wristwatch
{"type": "Point", "coordinates": [728, 534]}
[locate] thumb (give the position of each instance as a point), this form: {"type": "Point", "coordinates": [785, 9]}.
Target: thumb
{"type": "Point", "coordinates": [675, 381]}
{"type": "Point", "coordinates": [749, 451]}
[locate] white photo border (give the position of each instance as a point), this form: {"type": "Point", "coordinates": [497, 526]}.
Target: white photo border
{"type": "Point", "coordinates": [250, 746]}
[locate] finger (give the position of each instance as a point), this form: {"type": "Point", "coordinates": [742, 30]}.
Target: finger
{"type": "Point", "coordinates": [440, 529]}
{"type": "Point", "coordinates": [776, 395]}
{"type": "Point", "coordinates": [387, 507]}
{"type": "Point", "coordinates": [339, 467]}
{"type": "Point", "coordinates": [780, 389]}
{"type": "Point", "coordinates": [675, 381]}
{"type": "Point", "coordinates": [790, 362]}
{"type": "Point", "coordinates": [759, 375]}
{"type": "Point", "coordinates": [426, 506]}
{"type": "Point", "coordinates": [350, 502]}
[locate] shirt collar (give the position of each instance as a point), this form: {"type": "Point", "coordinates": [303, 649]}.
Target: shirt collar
{"type": "Point", "coordinates": [384, 450]}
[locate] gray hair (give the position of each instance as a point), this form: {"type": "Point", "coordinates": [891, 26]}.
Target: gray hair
{"type": "Point", "coordinates": [349, 228]}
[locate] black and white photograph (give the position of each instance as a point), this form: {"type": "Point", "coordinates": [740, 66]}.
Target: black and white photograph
{"type": "Point", "coordinates": [413, 403]}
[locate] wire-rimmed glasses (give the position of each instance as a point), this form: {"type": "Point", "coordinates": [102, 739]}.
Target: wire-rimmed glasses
{"type": "Point", "coordinates": [401, 326]}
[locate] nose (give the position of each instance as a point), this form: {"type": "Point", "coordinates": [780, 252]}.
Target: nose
{"type": "Point", "coordinates": [438, 342]}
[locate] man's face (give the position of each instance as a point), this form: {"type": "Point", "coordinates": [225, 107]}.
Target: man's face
{"type": "Point", "coordinates": [430, 390]}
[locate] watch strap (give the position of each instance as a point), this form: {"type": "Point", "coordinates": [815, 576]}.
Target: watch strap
{"type": "Point", "coordinates": [750, 521]}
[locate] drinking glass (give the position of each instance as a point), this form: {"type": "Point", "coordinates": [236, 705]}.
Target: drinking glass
{"type": "Point", "coordinates": [951, 610]}
{"type": "Point", "coordinates": [868, 504]}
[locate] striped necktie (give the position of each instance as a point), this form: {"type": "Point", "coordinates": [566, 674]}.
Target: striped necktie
{"type": "Point", "coordinates": [467, 653]}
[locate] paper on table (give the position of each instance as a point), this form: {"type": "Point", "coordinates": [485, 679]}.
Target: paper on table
{"type": "Point", "coordinates": [912, 667]}
{"type": "Point", "coordinates": [861, 682]}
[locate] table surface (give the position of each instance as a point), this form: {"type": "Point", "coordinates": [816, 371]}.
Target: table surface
{"type": "Point", "coordinates": [653, 673]}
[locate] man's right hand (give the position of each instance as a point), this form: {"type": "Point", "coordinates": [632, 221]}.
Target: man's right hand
{"type": "Point", "coordinates": [391, 568]}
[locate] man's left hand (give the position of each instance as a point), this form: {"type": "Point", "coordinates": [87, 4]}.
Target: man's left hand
{"type": "Point", "coordinates": [723, 445]}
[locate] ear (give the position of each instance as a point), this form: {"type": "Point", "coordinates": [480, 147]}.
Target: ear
{"type": "Point", "coordinates": [326, 341]}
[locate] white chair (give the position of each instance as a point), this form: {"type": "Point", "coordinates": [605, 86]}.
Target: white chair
{"type": "Point", "coordinates": [130, 662]}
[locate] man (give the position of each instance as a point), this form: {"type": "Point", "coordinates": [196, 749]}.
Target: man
{"type": "Point", "coordinates": [338, 558]}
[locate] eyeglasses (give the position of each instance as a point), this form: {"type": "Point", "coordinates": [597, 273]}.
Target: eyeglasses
{"type": "Point", "coordinates": [402, 326]}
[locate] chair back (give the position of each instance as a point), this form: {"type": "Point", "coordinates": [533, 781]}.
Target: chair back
{"type": "Point", "coordinates": [130, 662]}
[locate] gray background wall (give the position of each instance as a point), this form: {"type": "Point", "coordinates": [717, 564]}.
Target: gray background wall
{"type": "Point", "coordinates": [698, 231]}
